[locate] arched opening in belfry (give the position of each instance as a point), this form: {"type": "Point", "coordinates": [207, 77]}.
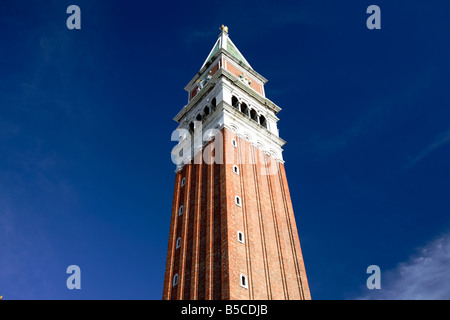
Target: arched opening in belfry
{"type": "Point", "coordinates": [244, 109]}
{"type": "Point", "coordinates": [199, 117]}
{"type": "Point", "coordinates": [263, 121]}
{"type": "Point", "coordinates": [191, 127]}
{"type": "Point", "coordinates": [235, 102]}
{"type": "Point", "coordinates": [254, 115]}
{"type": "Point", "coordinates": [213, 105]}
{"type": "Point", "coordinates": [206, 111]}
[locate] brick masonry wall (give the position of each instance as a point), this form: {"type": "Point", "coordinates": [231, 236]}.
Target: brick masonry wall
{"type": "Point", "coordinates": [211, 260]}
{"type": "Point", "coordinates": [237, 71]}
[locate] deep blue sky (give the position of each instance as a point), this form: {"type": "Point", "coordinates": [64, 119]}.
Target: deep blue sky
{"type": "Point", "coordinates": [86, 118]}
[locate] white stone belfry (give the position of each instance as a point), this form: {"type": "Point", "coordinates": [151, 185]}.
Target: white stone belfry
{"type": "Point", "coordinates": [227, 92]}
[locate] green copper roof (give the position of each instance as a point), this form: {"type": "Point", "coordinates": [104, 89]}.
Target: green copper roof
{"type": "Point", "coordinates": [213, 52]}
{"type": "Point", "coordinates": [225, 43]}
{"type": "Point", "coordinates": [234, 52]}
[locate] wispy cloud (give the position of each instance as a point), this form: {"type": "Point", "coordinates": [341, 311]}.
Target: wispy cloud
{"type": "Point", "coordinates": [378, 115]}
{"type": "Point", "coordinates": [372, 119]}
{"type": "Point", "coordinates": [24, 253]}
{"type": "Point", "coordinates": [425, 276]}
{"type": "Point", "coordinates": [195, 36]}
{"type": "Point", "coordinates": [439, 141]}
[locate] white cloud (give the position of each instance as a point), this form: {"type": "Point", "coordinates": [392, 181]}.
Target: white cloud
{"type": "Point", "coordinates": [426, 276]}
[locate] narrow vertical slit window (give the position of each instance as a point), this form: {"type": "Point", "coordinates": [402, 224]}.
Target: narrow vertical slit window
{"type": "Point", "coordinates": [175, 280]}
{"type": "Point", "coordinates": [244, 281]}
{"type": "Point", "coordinates": [240, 237]}
{"type": "Point", "coordinates": [180, 210]}
{"type": "Point", "coordinates": [178, 243]}
{"type": "Point", "coordinates": [238, 201]}
{"type": "Point", "coordinates": [236, 169]}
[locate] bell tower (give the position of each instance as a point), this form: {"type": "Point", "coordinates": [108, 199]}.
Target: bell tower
{"type": "Point", "coordinates": [233, 234]}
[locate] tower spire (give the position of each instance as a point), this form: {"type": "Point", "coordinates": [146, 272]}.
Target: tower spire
{"type": "Point", "coordinates": [224, 42]}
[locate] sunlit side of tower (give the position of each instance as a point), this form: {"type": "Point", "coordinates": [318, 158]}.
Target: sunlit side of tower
{"type": "Point", "coordinates": [233, 233]}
